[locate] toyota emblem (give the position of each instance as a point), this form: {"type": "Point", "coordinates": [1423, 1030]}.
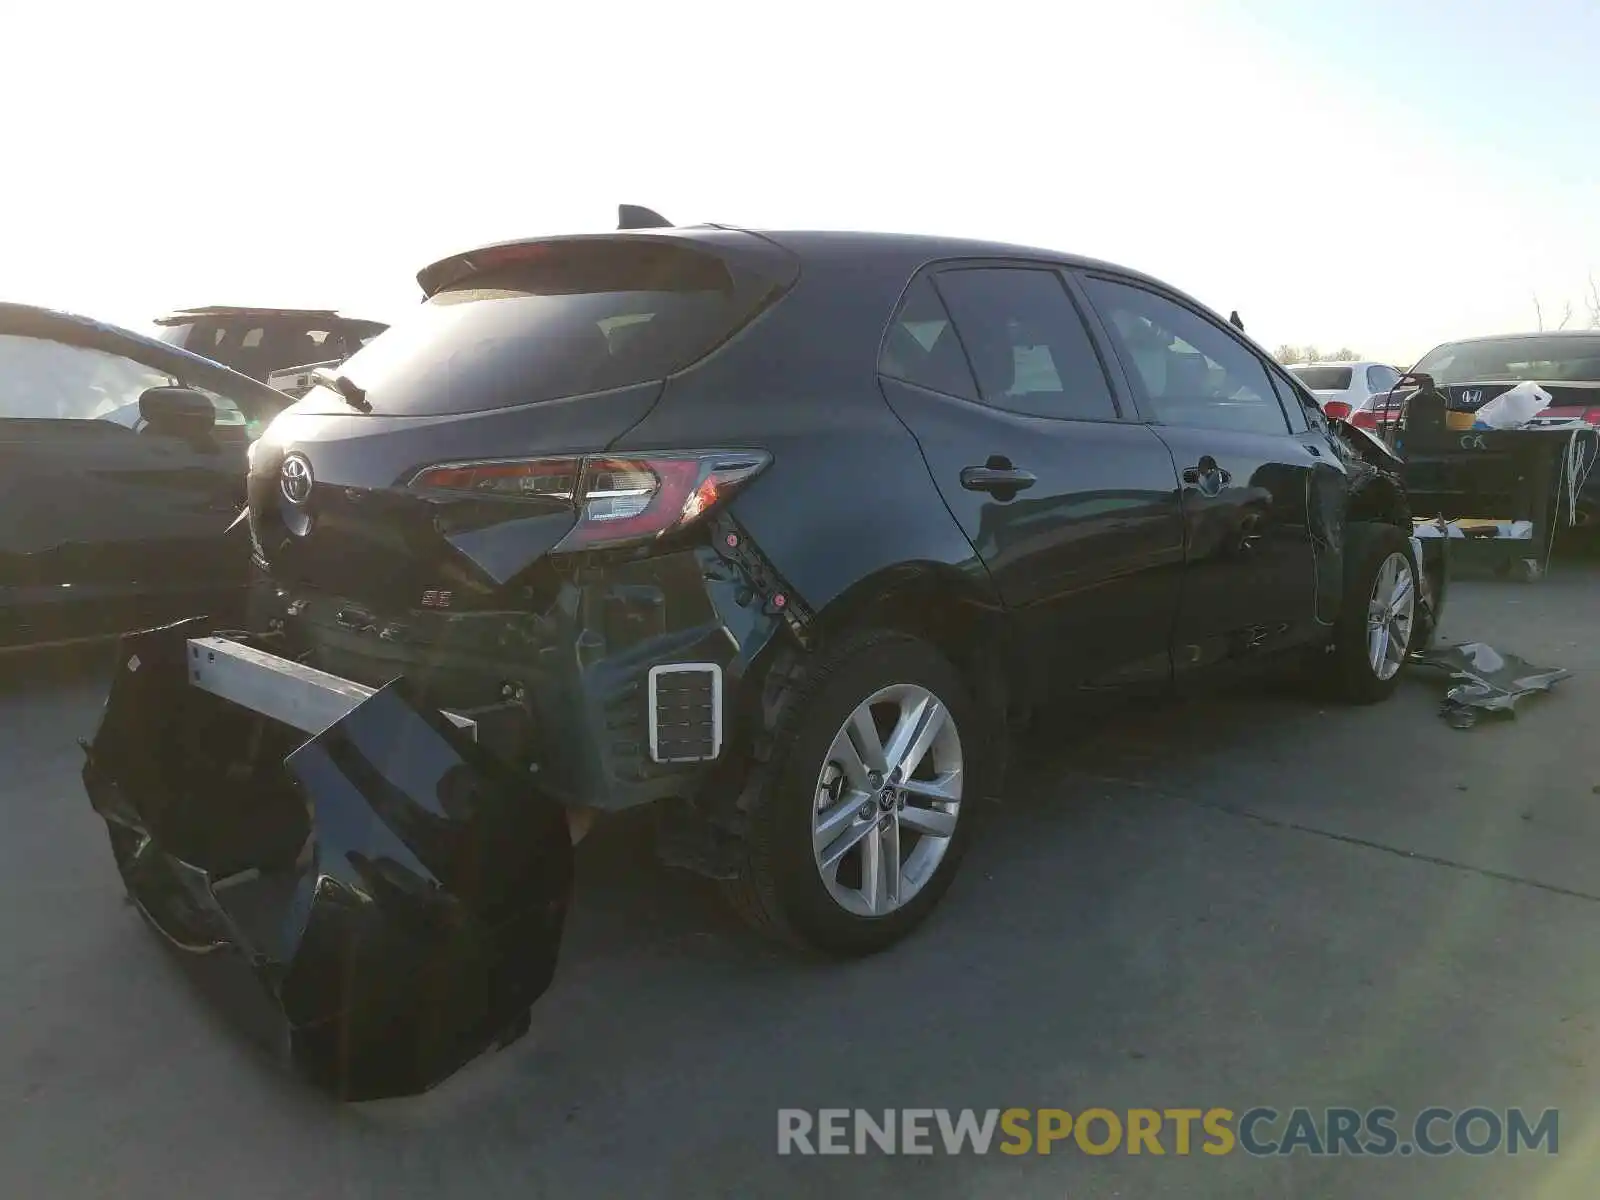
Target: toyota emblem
{"type": "Point", "coordinates": [296, 480]}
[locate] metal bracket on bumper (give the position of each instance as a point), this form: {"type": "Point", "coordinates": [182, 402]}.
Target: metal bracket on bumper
{"type": "Point", "coordinates": [296, 695]}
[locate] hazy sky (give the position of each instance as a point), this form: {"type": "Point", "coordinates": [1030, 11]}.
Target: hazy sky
{"type": "Point", "coordinates": [1378, 173]}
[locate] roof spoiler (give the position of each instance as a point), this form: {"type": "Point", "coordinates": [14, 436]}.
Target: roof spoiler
{"type": "Point", "coordinates": [632, 216]}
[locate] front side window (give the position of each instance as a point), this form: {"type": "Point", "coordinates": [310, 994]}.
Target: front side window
{"type": "Point", "coordinates": [48, 380]}
{"type": "Point", "coordinates": [1027, 343]}
{"type": "Point", "coordinates": [1191, 371]}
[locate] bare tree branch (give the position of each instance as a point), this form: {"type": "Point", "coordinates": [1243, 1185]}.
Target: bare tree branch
{"type": "Point", "coordinates": [1538, 312]}
{"type": "Point", "coordinates": [1566, 315]}
{"type": "Point", "coordinates": [1592, 303]}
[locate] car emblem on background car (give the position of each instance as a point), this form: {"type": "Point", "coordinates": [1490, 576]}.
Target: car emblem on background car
{"type": "Point", "coordinates": [297, 480]}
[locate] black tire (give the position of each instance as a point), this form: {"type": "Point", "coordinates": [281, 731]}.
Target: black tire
{"type": "Point", "coordinates": [1349, 671]}
{"type": "Point", "coordinates": [780, 890]}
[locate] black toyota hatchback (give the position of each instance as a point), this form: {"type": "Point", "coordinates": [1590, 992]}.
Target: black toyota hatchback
{"type": "Point", "coordinates": [780, 532]}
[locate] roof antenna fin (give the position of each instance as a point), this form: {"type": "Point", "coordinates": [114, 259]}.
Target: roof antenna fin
{"type": "Point", "coordinates": [1233, 319]}
{"type": "Point", "coordinates": [632, 216]}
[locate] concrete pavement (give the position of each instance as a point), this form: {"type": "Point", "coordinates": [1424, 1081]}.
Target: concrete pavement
{"type": "Point", "coordinates": [1250, 900]}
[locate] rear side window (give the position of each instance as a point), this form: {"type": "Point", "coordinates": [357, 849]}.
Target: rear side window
{"type": "Point", "coordinates": [922, 347]}
{"type": "Point", "coordinates": [571, 319]}
{"type": "Point", "coordinates": [1381, 379]}
{"type": "Point", "coordinates": [1026, 342]}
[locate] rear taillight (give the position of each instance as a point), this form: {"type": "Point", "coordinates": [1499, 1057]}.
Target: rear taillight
{"type": "Point", "coordinates": [1337, 409]}
{"type": "Point", "coordinates": [619, 499]}
{"type": "Point", "coordinates": [1365, 419]}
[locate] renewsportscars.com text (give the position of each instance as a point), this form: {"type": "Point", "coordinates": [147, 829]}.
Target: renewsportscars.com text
{"type": "Point", "coordinates": [1259, 1131]}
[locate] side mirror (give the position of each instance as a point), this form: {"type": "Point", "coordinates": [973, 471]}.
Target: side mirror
{"type": "Point", "coordinates": [180, 411]}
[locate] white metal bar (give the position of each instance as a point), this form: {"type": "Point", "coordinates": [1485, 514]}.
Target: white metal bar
{"type": "Point", "coordinates": [299, 696]}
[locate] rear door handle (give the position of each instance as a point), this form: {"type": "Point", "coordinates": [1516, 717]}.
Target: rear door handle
{"type": "Point", "coordinates": [997, 479]}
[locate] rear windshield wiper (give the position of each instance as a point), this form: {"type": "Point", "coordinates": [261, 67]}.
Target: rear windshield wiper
{"type": "Point", "coordinates": [351, 394]}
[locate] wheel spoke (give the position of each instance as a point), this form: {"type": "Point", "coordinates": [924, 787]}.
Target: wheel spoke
{"type": "Point", "coordinates": [934, 822]}
{"type": "Point", "coordinates": [913, 734]}
{"type": "Point", "coordinates": [1386, 578]}
{"type": "Point", "coordinates": [829, 856]}
{"type": "Point", "coordinates": [863, 737]}
{"type": "Point", "coordinates": [839, 818]}
{"type": "Point", "coordinates": [1401, 593]}
{"type": "Point", "coordinates": [1399, 637]}
{"type": "Point", "coordinates": [1395, 651]}
{"type": "Point", "coordinates": [945, 788]}
{"type": "Point", "coordinates": [1378, 645]}
{"type": "Point", "coordinates": [872, 867]}
{"type": "Point", "coordinates": [845, 752]}
{"type": "Point", "coordinates": [880, 868]}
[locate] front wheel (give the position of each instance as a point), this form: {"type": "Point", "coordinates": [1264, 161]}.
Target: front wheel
{"type": "Point", "coordinates": [864, 807]}
{"type": "Point", "coordinates": [1378, 621]}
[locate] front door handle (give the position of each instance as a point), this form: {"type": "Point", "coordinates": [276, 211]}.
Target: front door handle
{"type": "Point", "coordinates": [995, 479]}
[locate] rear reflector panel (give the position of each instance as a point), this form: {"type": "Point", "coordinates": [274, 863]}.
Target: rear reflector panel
{"type": "Point", "coordinates": [685, 712]}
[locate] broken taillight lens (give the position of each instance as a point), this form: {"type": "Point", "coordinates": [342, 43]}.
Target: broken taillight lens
{"type": "Point", "coordinates": [619, 499]}
{"type": "Point", "coordinates": [1337, 409]}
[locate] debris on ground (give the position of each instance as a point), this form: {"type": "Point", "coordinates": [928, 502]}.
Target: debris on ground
{"type": "Point", "coordinates": [1486, 681]}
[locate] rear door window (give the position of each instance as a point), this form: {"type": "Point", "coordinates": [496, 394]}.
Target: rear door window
{"type": "Point", "coordinates": [922, 348]}
{"type": "Point", "coordinates": [572, 319]}
{"type": "Point", "coordinates": [1027, 343]}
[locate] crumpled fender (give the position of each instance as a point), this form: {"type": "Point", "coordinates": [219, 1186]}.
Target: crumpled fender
{"type": "Point", "coordinates": [397, 893]}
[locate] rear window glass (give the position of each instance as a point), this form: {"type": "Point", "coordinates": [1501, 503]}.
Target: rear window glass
{"type": "Point", "coordinates": [574, 319]}
{"type": "Point", "coordinates": [1324, 379]}
{"type": "Point", "coordinates": [1556, 359]}
{"type": "Point", "coordinates": [258, 346]}
{"type": "Point", "coordinates": [174, 335]}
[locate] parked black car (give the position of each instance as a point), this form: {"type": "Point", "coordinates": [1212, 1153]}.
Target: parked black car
{"type": "Point", "coordinates": [780, 531]}
{"type": "Point", "coordinates": [121, 464]}
{"type": "Point", "coordinates": [1473, 371]}
{"type": "Point", "coordinates": [263, 342]}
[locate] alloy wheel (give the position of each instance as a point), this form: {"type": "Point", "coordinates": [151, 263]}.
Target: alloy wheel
{"type": "Point", "coordinates": [1391, 614]}
{"type": "Point", "coordinates": [887, 800]}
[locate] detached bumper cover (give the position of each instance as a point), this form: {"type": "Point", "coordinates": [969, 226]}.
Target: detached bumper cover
{"type": "Point", "coordinates": [395, 894]}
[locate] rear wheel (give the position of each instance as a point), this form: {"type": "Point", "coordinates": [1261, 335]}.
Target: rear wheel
{"type": "Point", "coordinates": [1379, 620]}
{"type": "Point", "coordinates": [864, 807]}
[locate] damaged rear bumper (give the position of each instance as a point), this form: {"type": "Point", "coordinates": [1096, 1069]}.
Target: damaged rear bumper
{"type": "Point", "coordinates": [390, 895]}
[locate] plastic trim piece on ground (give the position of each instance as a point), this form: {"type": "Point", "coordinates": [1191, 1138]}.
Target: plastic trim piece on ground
{"type": "Point", "coordinates": [1486, 681]}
